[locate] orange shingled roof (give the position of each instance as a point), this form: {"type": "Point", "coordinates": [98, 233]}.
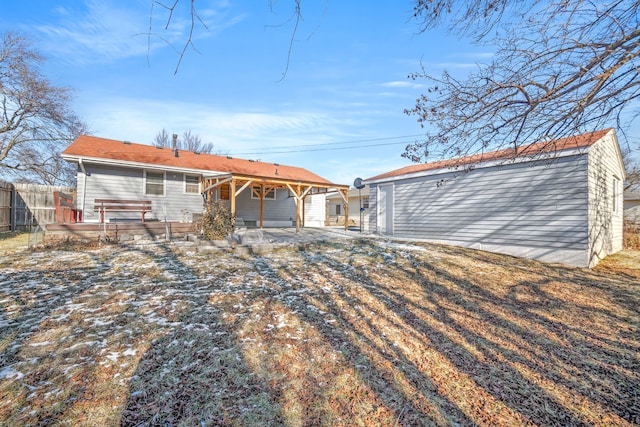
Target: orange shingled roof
{"type": "Point", "coordinates": [101, 148]}
{"type": "Point", "coordinates": [571, 142]}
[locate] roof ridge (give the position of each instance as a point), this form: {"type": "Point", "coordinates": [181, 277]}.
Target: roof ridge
{"type": "Point", "coordinates": [569, 142]}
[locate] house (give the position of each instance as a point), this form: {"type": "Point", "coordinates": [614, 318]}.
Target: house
{"type": "Point", "coordinates": [358, 204]}
{"type": "Point", "coordinates": [632, 206]}
{"type": "Point", "coordinates": [559, 201]}
{"type": "Point", "coordinates": [179, 183]}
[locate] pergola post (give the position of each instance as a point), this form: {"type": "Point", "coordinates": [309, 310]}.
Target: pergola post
{"type": "Point", "coordinates": [261, 202]}
{"type": "Point", "coordinates": [232, 196]}
{"type": "Point", "coordinates": [298, 208]}
{"type": "Point", "coordinates": [345, 197]}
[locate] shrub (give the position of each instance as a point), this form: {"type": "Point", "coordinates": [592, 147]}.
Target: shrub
{"type": "Point", "coordinates": [216, 222]}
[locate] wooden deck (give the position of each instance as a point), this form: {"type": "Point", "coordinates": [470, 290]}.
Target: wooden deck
{"type": "Point", "coordinates": [116, 231]}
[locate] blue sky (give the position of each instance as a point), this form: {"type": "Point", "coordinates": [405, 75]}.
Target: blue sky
{"type": "Point", "coordinates": [346, 84]}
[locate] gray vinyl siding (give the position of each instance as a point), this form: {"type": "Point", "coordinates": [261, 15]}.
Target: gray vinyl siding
{"type": "Point", "coordinates": [282, 210]}
{"type": "Point", "coordinates": [520, 204]}
{"type": "Point", "coordinates": [538, 207]}
{"type": "Point", "coordinates": [560, 209]}
{"type": "Point", "coordinates": [128, 183]}
{"type": "Point", "coordinates": [605, 221]}
{"type": "Point", "coordinates": [373, 208]}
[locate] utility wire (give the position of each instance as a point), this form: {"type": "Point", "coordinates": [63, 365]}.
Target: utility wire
{"type": "Point", "coordinates": [327, 146]}
{"type": "Point", "coordinates": [322, 149]}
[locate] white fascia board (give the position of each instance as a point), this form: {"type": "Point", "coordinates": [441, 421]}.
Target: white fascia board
{"type": "Point", "coordinates": [481, 165]}
{"type": "Point", "coordinates": [137, 165]}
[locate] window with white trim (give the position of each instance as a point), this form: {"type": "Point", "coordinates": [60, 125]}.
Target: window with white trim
{"type": "Point", "coordinates": [154, 183]}
{"type": "Point", "coordinates": [192, 184]}
{"type": "Point", "coordinates": [617, 185]}
{"type": "Point", "coordinates": [365, 202]}
{"type": "Point", "coordinates": [269, 193]}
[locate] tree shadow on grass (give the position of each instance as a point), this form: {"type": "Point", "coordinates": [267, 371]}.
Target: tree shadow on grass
{"type": "Point", "coordinates": [394, 380]}
{"type": "Point", "coordinates": [195, 373]}
{"type": "Point", "coordinates": [43, 315]}
{"type": "Point", "coordinates": [77, 334]}
{"type": "Point", "coordinates": [534, 368]}
{"type": "Point", "coordinates": [340, 334]}
{"type": "Point", "coordinates": [551, 348]}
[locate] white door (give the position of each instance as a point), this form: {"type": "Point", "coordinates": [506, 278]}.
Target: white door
{"type": "Point", "coordinates": [385, 209]}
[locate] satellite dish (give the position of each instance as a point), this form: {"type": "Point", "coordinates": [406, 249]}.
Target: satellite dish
{"type": "Point", "coordinates": [358, 183]}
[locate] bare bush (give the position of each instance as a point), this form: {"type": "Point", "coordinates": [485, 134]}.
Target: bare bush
{"type": "Point", "coordinates": [217, 221]}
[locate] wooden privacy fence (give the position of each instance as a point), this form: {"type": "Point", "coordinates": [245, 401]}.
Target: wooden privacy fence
{"type": "Point", "coordinates": [24, 206]}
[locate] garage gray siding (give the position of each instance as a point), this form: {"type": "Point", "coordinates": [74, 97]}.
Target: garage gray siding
{"type": "Point", "coordinates": [538, 207]}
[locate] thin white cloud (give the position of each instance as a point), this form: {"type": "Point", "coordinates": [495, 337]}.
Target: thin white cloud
{"type": "Point", "coordinates": [103, 31]}
{"type": "Point", "coordinates": [401, 84]}
{"type": "Point", "coordinates": [140, 120]}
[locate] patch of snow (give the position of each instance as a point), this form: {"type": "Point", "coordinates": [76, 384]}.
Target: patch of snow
{"type": "Point", "coordinates": [113, 356]}
{"type": "Point", "coordinates": [40, 344]}
{"type": "Point", "coordinates": [129, 352]}
{"type": "Point", "coordinates": [8, 372]}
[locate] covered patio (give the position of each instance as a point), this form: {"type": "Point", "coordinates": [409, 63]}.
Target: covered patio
{"type": "Point", "coordinates": [230, 186]}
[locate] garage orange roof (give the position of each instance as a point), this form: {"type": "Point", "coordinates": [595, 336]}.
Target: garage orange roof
{"type": "Point", "coordinates": [95, 148]}
{"type": "Point", "coordinates": [572, 142]}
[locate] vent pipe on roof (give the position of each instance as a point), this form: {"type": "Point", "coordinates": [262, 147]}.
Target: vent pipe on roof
{"type": "Point", "coordinates": [175, 144]}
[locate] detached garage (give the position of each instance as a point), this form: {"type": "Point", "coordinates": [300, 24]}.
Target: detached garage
{"type": "Point", "coordinates": [556, 202]}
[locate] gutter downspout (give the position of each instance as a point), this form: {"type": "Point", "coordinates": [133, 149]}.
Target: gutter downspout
{"type": "Point", "coordinates": [84, 186]}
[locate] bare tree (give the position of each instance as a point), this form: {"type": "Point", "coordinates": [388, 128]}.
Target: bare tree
{"type": "Point", "coordinates": [559, 68]}
{"type": "Point", "coordinates": [193, 142]}
{"type": "Point", "coordinates": [162, 139]}
{"type": "Point", "coordinates": [48, 167]}
{"type": "Point", "coordinates": [632, 167]}
{"type": "Point", "coordinates": [188, 142]}
{"type": "Point", "coordinates": [35, 118]}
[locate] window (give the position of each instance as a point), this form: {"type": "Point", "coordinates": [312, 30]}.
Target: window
{"type": "Point", "coordinates": [154, 183]}
{"type": "Point", "coordinates": [365, 202]}
{"type": "Point", "coordinates": [224, 191]}
{"type": "Point", "coordinates": [192, 184]}
{"type": "Point", "coordinates": [616, 195]}
{"type": "Point", "coordinates": [338, 209]}
{"type": "Point", "coordinates": [269, 193]}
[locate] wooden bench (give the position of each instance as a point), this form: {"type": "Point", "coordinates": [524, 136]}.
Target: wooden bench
{"type": "Point", "coordinates": [65, 211]}
{"type": "Point", "coordinates": [111, 205]}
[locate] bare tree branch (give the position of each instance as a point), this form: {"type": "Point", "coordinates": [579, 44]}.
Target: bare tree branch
{"type": "Point", "coordinates": [569, 68]}
{"type": "Point", "coordinates": [194, 18]}
{"type": "Point", "coordinates": [296, 17]}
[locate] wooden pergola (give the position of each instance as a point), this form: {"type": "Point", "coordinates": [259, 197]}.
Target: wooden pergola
{"type": "Point", "coordinates": [261, 186]}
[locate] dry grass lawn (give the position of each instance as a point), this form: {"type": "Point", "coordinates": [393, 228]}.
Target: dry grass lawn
{"type": "Point", "coordinates": [361, 332]}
